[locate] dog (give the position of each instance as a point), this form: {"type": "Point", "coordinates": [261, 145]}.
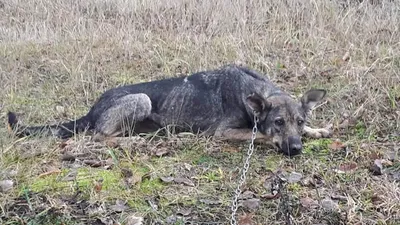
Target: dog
{"type": "Point", "coordinates": [221, 103]}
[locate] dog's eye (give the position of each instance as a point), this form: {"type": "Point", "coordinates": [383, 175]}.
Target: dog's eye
{"type": "Point", "coordinates": [300, 122]}
{"type": "Point", "coordinates": [279, 122]}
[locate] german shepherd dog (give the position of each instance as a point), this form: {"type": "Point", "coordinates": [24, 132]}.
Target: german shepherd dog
{"type": "Point", "coordinates": [221, 103]}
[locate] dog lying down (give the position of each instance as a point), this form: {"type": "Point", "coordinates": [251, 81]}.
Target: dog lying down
{"type": "Point", "coordinates": [221, 103]}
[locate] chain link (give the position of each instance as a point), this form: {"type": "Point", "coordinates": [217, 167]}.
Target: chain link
{"type": "Point", "coordinates": [244, 172]}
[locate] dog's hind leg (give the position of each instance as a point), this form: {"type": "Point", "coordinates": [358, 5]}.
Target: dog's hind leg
{"type": "Point", "coordinates": [316, 132]}
{"type": "Point", "coordinates": [122, 116]}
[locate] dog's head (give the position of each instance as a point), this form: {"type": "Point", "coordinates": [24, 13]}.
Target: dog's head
{"type": "Point", "coordinates": [283, 119]}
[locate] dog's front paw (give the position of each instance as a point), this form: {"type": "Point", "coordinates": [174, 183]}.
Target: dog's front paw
{"type": "Point", "coordinates": [317, 132]}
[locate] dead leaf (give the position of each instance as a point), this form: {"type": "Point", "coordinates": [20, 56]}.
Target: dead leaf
{"type": "Point", "coordinates": [392, 155]}
{"type": "Point", "coordinates": [395, 175]}
{"type": "Point", "coordinates": [60, 109]}
{"type": "Point", "coordinates": [346, 56]}
{"type": "Point", "coordinates": [161, 152]}
{"type": "Point", "coordinates": [153, 205]}
{"type": "Point", "coordinates": [185, 181]}
{"type": "Point", "coordinates": [67, 156]}
{"type": "Point", "coordinates": [98, 185]}
{"type": "Point", "coordinates": [93, 163]}
{"type": "Point", "coordinates": [49, 173]}
{"type": "Point", "coordinates": [386, 162]}
{"type": "Point", "coordinates": [294, 177]}
{"type": "Point", "coordinates": [136, 178]}
{"type": "Point", "coordinates": [172, 219]}
{"type": "Point", "coordinates": [119, 206]}
{"type": "Point", "coordinates": [347, 167]}
{"type": "Point", "coordinates": [134, 220]}
{"type": "Point", "coordinates": [6, 185]}
{"type": "Point", "coordinates": [251, 204]}
{"type": "Point", "coordinates": [230, 149]}
{"type": "Point", "coordinates": [104, 221]}
{"type": "Point", "coordinates": [270, 196]}
{"type": "Point", "coordinates": [63, 144]}
{"type": "Point", "coordinates": [187, 166]}
{"type": "Point", "coordinates": [344, 124]}
{"type": "Point", "coordinates": [184, 212]}
{"type": "Point", "coordinates": [309, 203]}
{"type": "Point", "coordinates": [130, 178]}
{"type": "Point", "coordinates": [377, 199]}
{"type": "Point", "coordinates": [329, 205]}
{"type": "Point", "coordinates": [377, 167]}
{"type": "Point", "coordinates": [109, 163]}
{"type": "Point", "coordinates": [126, 173]}
{"type": "Point", "coordinates": [375, 155]}
{"type": "Point", "coordinates": [317, 180]}
{"type": "Point", "coordinates": [336, 145]}
{"type": "Point", "coordinates": [307, 181]}
{"type": "Point", "coordinates": [167, 179]}
{"type": "Point", "coordinates": [246, 195]}
{"type": "Point", "coordinates": [339, 198]}
{"type": "Point", "coordinates": [112, 143]}
{"type": "Point", "coordinates": [348, 122]}
{"type": "Point", "coordinates": [246, 219]}
{"type": "Point", "coordinates": [11, 173]}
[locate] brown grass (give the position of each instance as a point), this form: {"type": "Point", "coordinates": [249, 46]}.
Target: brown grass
{"type": "Point", "coordinates": [58, 53]}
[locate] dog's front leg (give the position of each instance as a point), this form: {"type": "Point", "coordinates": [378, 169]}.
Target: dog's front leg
{"type": "Point", "coordinates": [239, 135]}
{"type": "Point", "coordinates": [317, 132]}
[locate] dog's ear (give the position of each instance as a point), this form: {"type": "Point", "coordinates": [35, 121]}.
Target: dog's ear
{"type": "Point", "coordinates": [311, 98]}
{"type": "Point", "coordinates": [256, 103]}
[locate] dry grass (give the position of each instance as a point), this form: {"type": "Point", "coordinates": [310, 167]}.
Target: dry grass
{"type": "Point", "coordinates": [59, 53]}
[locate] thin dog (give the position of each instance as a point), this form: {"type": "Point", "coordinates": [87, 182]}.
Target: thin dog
{"type": "Point", "coordinates": [221, 103]}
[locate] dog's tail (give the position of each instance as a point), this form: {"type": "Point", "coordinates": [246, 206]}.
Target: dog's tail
{"type": "Point", "coordinates": [64, 130]}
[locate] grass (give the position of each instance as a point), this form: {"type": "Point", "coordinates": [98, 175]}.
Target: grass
{"type": "Point", "coordinates": [58, 57]}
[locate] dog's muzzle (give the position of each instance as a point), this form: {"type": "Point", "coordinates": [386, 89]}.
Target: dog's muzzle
{"type": "Point", "coordinates": [293, 146]}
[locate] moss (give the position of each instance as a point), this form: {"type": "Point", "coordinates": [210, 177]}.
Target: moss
{"type": "Point", "coordinates": [139, 204]}
{"type": "Point", "coordinates": [317, 146]}
{"type": "Point", "coordinates": [360, 129]}
{"type": "Point", "coordinates": [45, 219]}
{"type": "Point", "coordinates": [272, 162]}
{"type": "Point", "coordinates": [202, 159]}
{"type": "Point", "coordinates": [149, 186]}
{"type": "Point", "coordinates": [345, 178]}
{"type": "Point", "coordinates": [294, 187]}
{"type": "Point", "coordinates": [49, 182]}
{"type": "Point", "coordinates": [213, 175]}
{"type": "Point", "coordinates": [84, 179]}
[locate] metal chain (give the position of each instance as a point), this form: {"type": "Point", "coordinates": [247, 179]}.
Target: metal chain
{"type": "Point", "coordinates": [285, 201]}
{"type": "Point", "coordinates": [244, 172]}
{"type": "Point", "coordinates": [279, 185]}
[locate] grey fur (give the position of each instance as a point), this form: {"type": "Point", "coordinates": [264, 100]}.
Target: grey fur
{"type": "Point", "coordinates": [124, 114]}
{"type": "Point", "coordinates": [217, 102]}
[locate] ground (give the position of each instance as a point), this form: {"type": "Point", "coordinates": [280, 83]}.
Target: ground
{"type": "Point", "coordinates": [58, 57]}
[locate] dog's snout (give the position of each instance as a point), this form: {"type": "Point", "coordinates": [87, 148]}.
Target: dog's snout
{"type": "Point", "coordinates": [295, 148]}
{"type": "Point", "coordinates": [295, 145]}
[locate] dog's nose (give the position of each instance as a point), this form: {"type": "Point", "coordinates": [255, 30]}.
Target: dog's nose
{"type": "Point", "coordinates": [295, 145]}
{"type": "Point", "coordinates": [296, 148]}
